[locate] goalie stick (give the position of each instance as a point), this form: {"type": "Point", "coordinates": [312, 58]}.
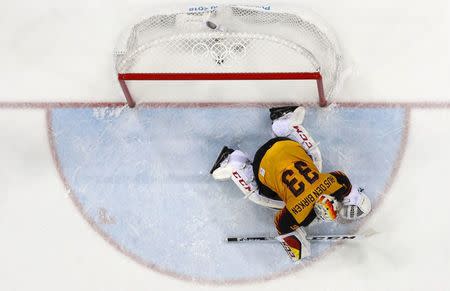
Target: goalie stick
{"type": "Point", "coordinates": [311, 238]}
{"type": "Point", "coordinates": [293, 246]}
{"type": "Point", "coordinates": [331, 237]}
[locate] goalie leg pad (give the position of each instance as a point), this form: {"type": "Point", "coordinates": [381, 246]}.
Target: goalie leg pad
{"type": "Point", "coordinates": [290, 126]}
{"type": "Point", "coordinates": [264, 201]}
{"type": "Point", "coordinates": [237, 167]}
{"type": "Point", "coordinates": [227, 162]}
{"type": "Point", "coordinates": [301, 135]}
{"type": "Point", "coordinates": [245, 180]}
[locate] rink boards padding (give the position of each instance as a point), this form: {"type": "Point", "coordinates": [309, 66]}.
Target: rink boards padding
{"type": "Point", "coordinates": [141, 178]}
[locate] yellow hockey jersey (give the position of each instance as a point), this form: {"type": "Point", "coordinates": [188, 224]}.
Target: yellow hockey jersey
{"type": "Point", "coordinates": [287, 170]}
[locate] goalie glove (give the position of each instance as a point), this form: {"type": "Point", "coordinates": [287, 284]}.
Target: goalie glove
{"type": "Point", "coordinates": [326, 208]}
{"type": "Point", "coordinates": [355, 205]}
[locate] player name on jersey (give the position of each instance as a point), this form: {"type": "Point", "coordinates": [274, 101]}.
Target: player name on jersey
{"type": "Point", "coordinates": [311, 198]}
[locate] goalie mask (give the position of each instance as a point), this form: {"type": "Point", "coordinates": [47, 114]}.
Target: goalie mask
{"type": "Point", "coordinates": [356, 205]}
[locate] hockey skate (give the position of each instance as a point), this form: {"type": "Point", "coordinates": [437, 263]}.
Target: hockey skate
{"type": "Point", "coordinates": [224, 153]}
{"type": "Point", "coordinates": [277, 112]}
{"type": "Point", "coordinates": [297, 116]}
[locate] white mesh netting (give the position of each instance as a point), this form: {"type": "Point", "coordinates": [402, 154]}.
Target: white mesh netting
{"type": "Point", "coordinates": [232, 39]}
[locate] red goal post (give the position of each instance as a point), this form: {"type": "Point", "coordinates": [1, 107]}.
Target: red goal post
{"type": "Point", "coordinates": [234, 43]}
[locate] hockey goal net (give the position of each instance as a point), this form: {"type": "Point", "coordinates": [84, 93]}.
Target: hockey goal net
{"type": "Point", "coordinates": [234, 43]}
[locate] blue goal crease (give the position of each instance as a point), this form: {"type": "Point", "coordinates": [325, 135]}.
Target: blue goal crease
{"type": "Point", "coordinates": [142, 176]}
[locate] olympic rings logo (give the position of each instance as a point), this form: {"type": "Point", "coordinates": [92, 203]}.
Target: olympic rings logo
{"type": "Point", "coordinates": [219, 51]}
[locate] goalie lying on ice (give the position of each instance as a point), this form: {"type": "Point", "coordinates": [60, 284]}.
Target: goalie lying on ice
{"type": "Point", "coordinates": [286, 175]}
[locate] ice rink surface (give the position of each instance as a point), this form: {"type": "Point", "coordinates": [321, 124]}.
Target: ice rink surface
{"type": "Point", "coordinates": [163, 205]}
{"type": "Point", "coordinates": [82, 207]}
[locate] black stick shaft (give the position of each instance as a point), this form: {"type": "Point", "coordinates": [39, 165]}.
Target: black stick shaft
{"type": "Point", "coordinates": [250, 238]}
{"type": "Point", "coordinates": [311, 237]}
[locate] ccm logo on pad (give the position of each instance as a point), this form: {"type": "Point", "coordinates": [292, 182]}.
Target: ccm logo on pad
{"type": "Point", "coordinates": [303, 136]}
{"type": "Point", "coordinates": [242, 182]}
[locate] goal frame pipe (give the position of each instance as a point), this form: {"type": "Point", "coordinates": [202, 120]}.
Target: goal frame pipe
{"type": "Point", "coordinates": [123, 77]}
